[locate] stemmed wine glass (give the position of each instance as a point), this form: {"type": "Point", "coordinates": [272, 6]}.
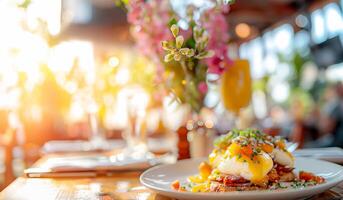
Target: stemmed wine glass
{"type": "Point", "coordinates": [136, 102]}
{"type": "Point", "coordinates": [97, 138]}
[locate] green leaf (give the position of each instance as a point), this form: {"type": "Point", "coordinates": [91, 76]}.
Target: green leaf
{"type": "Point", "coordinates": [172, 22]}
{"type": "Point", "coordinates": [228, 1]}
{"type": "Point", "coordinates": [192, 24]}
{"type": "Point", "coordinates": [121, 3]}
{"type": "Point", "coordinates": [25, 4]}
{"type": "Point", "coordinates": [190, 43]}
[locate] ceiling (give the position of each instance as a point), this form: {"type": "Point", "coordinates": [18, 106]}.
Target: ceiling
{"type": "Point", "coordinates": [109, 22]}
{"type": "Point", "coordinates": [107, 27]}
{"type": "Point", "coordinates": [261, 14]}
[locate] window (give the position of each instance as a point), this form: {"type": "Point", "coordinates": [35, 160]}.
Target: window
{"type": "Point", "coordinates": [271, 62]}
{"type": "Point", "coordinates": [283, 39]}
{"type": "Point", "coordinates": [256, 58]}
{"type": "Point", "coordinates": [253, 51]}
{"type": "Point", "coordinates": [302, 42]}
{"type": "Point", "coordinates": [243, 50]}
{"type": "Point", "coordinates": [333, 19]}
{"type": "Point", "coordinates": [81, 11]}
{"type": "Point", "coordinates": [268, 41]}
{"type": "Point", "coordinates": [180, 6]}
{"type": "Point", "coordinates": [318, 27]}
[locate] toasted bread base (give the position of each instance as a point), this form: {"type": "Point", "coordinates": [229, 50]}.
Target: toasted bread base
{"type": "Point", "coordinates": [220, 186]}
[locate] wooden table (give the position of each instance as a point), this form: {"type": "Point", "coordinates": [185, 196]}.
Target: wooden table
{"type": "Point", "coordinates": [122, 186]}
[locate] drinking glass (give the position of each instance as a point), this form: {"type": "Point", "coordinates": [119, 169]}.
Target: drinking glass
{"type": "Point", "coordinates": [97, 138]}
{"type": "Point", "coordinates": [236, 87]}
{"type": "Point", "coordinates": [135, 99]}
{"type": "Point", "coordinates": [85, 98]}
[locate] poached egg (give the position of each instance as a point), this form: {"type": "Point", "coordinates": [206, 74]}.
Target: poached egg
{"type": "Point", "coordinates": [253, 168]}
{"type": "Point", "coordinates": [283, 157]}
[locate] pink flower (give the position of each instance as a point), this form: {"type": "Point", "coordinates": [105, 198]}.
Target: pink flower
{"type": "Point", "coordinates": [149, 21]}
{"type": "Point", "coordinates": [225, 8]}
{"type": "Point", "coordinates": [215, 23]}
{"type": "Point", "coordinates": [135, 9]}
{"type": "Point", "coordinates": [202, 87]}
{"type": "Point", "coordinates": [220, 61]}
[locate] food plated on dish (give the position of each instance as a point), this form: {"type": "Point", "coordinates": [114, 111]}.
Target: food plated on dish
{"type": "Point", "coordinates": [247, 160]}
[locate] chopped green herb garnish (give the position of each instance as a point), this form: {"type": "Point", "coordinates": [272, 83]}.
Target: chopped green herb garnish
{"type": "Point", "coordinates": [226, 140]}
{"type": "Point", "coordinates": [279, 185]}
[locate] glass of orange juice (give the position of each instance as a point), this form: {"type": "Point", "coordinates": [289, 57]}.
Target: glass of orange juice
{"type": "Point", "coordinates": [235, 86]}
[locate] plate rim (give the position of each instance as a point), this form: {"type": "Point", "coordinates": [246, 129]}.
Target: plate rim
{"type": "Point", "coordinates": [319, 187]}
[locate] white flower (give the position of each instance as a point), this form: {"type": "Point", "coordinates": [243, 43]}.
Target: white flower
{"type": "Point", "coordinates": [177, 57]}
{"type": "Point", "coordinates": [205, 54]}
{"type": "Point", "coordinates": [179, 41]}
{"type": "Point", "coordinates": [174, 29]}
{"type": "Point", "coordinates": [190, 53]}
{"type": "Point", "coordinates": [184, 51]}
{"type": "Point", "coordinates": [168, 57]}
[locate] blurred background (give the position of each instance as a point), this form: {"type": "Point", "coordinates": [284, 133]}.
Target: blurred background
{"type": "Point", "coordinates": [66, 66]}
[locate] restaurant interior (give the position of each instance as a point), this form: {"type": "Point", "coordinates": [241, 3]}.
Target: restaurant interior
{"type": "Point", "coordinates": [120, 79]}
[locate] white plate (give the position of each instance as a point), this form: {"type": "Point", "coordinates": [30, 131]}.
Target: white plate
{"type": "Point", "coordinates": [160, 177]}
{"type": "Point", "coordinates": [331, 154]}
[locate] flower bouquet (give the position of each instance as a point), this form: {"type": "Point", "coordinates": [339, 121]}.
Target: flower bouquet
{"type": "Point", "coordinates": [184, 49]}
